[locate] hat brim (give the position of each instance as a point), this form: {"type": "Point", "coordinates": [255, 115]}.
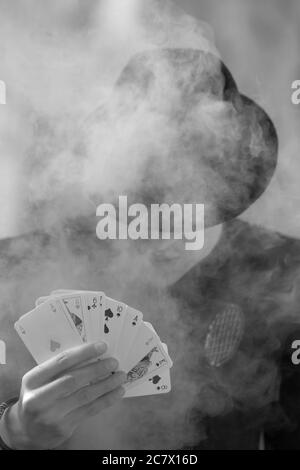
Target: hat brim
{"type": "Point", "coordinates": [257, 164]}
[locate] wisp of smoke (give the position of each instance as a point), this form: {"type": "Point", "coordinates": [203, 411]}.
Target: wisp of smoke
{"type": "Point", "coordinates": [72, 160]}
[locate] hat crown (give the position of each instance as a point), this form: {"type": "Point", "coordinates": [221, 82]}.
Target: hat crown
{"type": "Point", "coordinates": [178, 116]}
{"type": "Point", "coordinates": [177, 75]}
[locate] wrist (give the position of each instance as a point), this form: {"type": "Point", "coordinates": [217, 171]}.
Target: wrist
{"type": "Point", "coordinates": [11, 430]}
{"type": "Point", "coordinates": [3, 436]}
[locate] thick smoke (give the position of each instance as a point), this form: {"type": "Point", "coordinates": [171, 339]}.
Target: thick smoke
{"type": "Point", "coordinates": [60, 62]}
{"type": "Point", "coordinates": [259, 41]}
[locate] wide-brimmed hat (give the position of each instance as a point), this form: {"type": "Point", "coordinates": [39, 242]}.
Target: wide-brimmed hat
{"type": "Point", "coordinates": [219, 147]}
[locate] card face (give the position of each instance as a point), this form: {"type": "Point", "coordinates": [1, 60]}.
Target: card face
{"type": "Point", "coordinates": [84, 308]}
{"type": "Point", "coordinates": [55, 293]}
{"type": "Point", "coordinates": [145, 341]}
{"type": "Point", "coordinates": [157, 358]}
{"type": "Point", "coordinates": [156, 384]}
{"type": "Point", "coordinates": [41, 300]}
{"type": "Point", "coordinates": [69, 317]}
{"type": "Point", "coordinates": [131, 325]}
{"type": "Point", "coordinates": [93, 314]}
{"type": "Point", "coordinates": [46, 331]}
{"type": "Point", "coordinates": [64, 291]}
{"type": "Point", "coordinates": [114, 315]}
{"type": "Point", "coordinates": [73, 309]}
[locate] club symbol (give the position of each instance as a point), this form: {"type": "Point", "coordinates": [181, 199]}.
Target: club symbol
{"type": "Point", "coordinates": [106, 329]}
{"type": "Point", "coordinates": [94, 304]}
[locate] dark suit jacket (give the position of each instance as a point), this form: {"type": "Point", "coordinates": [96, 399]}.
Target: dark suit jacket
{"type": "Point", "coordinates": [258, 270]}
{"type": "Point", "coordinates": [259, 388]}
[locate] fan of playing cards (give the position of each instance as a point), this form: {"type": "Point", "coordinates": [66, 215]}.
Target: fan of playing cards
{"type": "Point", "coordinates": [68, 318]}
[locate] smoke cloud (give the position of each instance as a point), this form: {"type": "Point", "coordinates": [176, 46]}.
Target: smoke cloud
{"type": "Point", "coordinates": [66, 147]}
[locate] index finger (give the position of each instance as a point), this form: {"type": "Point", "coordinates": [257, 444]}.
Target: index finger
{"type": "Point", "coordinates": [68, 359]}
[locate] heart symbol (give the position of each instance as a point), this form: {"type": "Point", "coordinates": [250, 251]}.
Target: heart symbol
{"type": "Point", "coordinates": [54, 345]}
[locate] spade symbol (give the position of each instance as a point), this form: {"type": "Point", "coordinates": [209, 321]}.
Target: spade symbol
{"type": "Point", "coordinates": [119, 310]}
{"type": "Point", "coordinates": [108, 314]}
{"type": "Point", "coordinates": [54, 345]}
{"type": "Point", "coordinates": [106, 329]}
{"type": "Point", "coordinates": [155, 380]}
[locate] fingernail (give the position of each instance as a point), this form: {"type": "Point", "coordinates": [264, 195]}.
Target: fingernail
{"type": "Point", "coordinates": [100, 347]}
{"type": "Point", "coordinates": [111, 364]}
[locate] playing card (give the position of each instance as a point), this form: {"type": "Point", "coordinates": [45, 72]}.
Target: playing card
{"type": "Point", "coordinates": [146, 342]}
{"type": "Point", "coordinates": [56, 293]}
{"type": "Point", "coordinates": [132, 321]}
{"type": "Point", "coordinates": [64, 291]}
{"type": "Point", "coordinates": [142, 345]}
{"type": "Point", "coordinates": [135, 343]}
{"type": "Point", "coordinates": [114, 315]}
{"type": "Point", "coordinates": [152, 328]}
{"type": "Point", "coordinates": [73, 308]}
{"type": "Point", "coordinates": [46, 331]}
{"type": "Point", "coordinates": [93, 314]}
{"type": "Point", "coordinates": [157, 358]}
{"type": "Point", "coordinates": [156, 384]}
{"type": "Point", "coordinates": [41, 300]}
